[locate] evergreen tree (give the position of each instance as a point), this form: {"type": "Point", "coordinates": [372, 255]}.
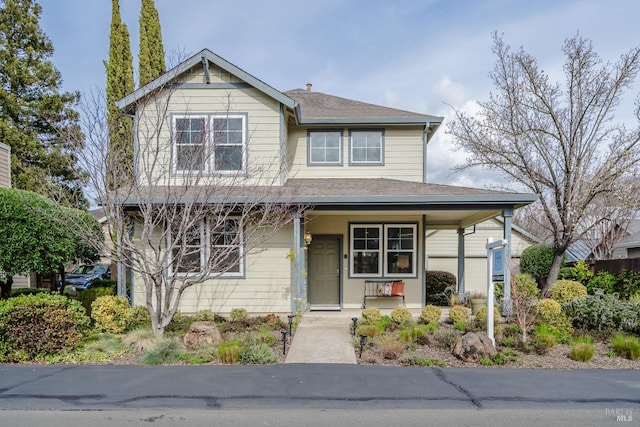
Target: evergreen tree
{"type": "Point", "coordinates": [36, 119]}
{"type": "Point", "coordinates": [119, 84]}
{"type": "Point", "coordinates": [151, 55]}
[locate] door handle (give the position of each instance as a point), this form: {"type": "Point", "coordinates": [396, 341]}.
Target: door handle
{"type": "Point", "coordinates": [338, 273]}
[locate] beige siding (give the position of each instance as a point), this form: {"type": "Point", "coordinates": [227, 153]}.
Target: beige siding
{"type": "Point", "coordinates": [353, 288]}
{"type": "Point", "coordinates": [442, 252]}
{"type": "Point", "coordinates": [266, 288]}
{"type": "Point", "coordinates": [263, 131]}
{"type": "Point", "coordinates": [403, 156]}
{"type": "Point", "coordinates": [5, 165]}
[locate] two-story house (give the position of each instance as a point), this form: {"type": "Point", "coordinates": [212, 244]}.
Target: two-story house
{"type": "Point", "coordinates": [359, 169]}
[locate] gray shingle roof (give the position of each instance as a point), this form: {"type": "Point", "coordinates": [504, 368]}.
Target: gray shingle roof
{"type": "Point", "coordinates": [317, 107]}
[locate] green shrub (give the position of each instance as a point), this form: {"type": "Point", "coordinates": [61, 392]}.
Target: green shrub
{"type": "Point", "coordinates": [580, 272]}
{"type": "Point", "coordinates": [87, 297]}
{"type": "Point", "coordinates": [179, 324]}
{"type": "Point", "coordinates": [204, 316]}
{"type": "Point", "coordinates": [401, 315]}
{"type": "Point", "coordinates": [105, 283]}
{"type": "Point", "coordinates": [544, 337]}
{"type": "Point", "coordinates": [257, 354]}
{"type": "Point", "coordinates": [458, 314]}
{"type": "Point", "coordinates": [604, 281]}
{"type": "Point", "coordinates": [481, 316]}
{"type": "Point", "coordinates": [111, 314]}
{"type": "Point", "coordinates": [413, 359]}
{"type": "Point", "coordinates": [229, 352]}
{"type": "Point", "coordinates": [238, 314]}
{"type": "Point", "coordinates": [430, 313]}
{"type": "Point", "coordinates": [140, 318]}
{"type": "Point", "coordinates": [604, 312]}
{"type": "Point", "coordinates": [498, 291]}
{"type": "Point", "coordinates": [369, 330]}
{"type": "Point", "coordinates": [567, 290]}
{"type": "Point", "coordinates": [371, 315]}
{"type": "Point", "coordinates": [168, 350]}
{"type": "Point", "coordinates": [264, 335]}
{"type": "Point", "coordinates": [582, 350]}
{"type": "Point", "coordinates": [16, 292]}
{"type": "Point", "coordinates": [626, 346]}
{"type": "Point", "coordinates": [39, 325]}
{"type": "Point", "coordinates": [413, 333]}
{"type": "Point", "coordinates": [202, 354]}
{"type": "Point", "coordinates": [439, 286]}
{"type": "Point", "coordinates": [549, 310]}
{"type": "Point", "coordinates": [536, 261]}
{"type": "Point", "coordinates": [628, 284]}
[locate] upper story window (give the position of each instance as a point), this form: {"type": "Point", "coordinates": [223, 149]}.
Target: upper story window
{"type": "Point", "coordinates": [325, 147]}
{"type": "Point", "coordinates": [367, 147]}
{"type": "Point", "coordinates": [209, 143]}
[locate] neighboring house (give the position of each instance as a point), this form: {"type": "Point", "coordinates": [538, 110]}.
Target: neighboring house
{"type": "Point", "coordinates": [360, 168]}
{"type": "Point", "coordinates": [5, 181]}
{"type": "Point", "coordinates": [5, 165]}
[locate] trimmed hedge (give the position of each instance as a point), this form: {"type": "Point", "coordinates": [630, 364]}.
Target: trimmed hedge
{"type": "Point", "coordinates": [440, 284]}
{"type": "Point", "coordinates": [28, 291]}
{"type": "Point", "coordinates": [38, 325]}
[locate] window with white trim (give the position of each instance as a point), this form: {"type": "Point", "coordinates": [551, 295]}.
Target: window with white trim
{"type": "Point", "coordinates": [209, 242]}
{"type": "Point", "coordinates": [325, 147]}
{"type": "Point", "coordinates": [383, 250]}
{"type": "Point", "coordinates": [366, 147]}
{"type": "Point", "coordinates": [211, 143]}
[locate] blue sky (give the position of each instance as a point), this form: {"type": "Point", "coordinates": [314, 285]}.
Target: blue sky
{"type": "Point", "coordinates": [419, 55]}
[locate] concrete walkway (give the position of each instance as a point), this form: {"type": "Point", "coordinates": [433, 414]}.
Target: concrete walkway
{"type": "Point", "coordinates": [322, 337]}
{"type": "Point", "coordinates": [325, 336]}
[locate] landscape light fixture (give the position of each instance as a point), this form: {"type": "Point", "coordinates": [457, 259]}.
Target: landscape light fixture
{"type": "Point", "coordinates": [284, 341]}
{"type": "Point", "coordinates": [363, 338]}
{"type": "Point", "coordinates": [354, 325]}
{"type": "Point", "coordinates": [290, 317]}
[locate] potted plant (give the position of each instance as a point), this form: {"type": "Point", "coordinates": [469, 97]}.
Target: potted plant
{"type": "Point", "coordinates": [477, 300]}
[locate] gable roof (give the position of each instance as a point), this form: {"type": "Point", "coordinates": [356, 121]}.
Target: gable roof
{"type": "Point", "coordinates": [128, 101]}
{"type": "Point", "coordinates": [310, 107]}
{"type": "Point", "coordinates": [320, 108]}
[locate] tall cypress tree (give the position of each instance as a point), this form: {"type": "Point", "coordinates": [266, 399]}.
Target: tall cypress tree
{"type": "Point", "coordinates": [119, 84]}
{"type": "Point", "coordinates": [36, 119]}
{"type": "Point", "coordinates": [151, 55]}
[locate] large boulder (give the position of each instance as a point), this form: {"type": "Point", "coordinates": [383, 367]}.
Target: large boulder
{"type": "Point", "coordinates": [472, 346]}
{"type": "Point", "coordinates": [202, 333]}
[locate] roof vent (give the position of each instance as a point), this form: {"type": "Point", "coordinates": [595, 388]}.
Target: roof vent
{"type": "Point", "coordinates": [309, 87]}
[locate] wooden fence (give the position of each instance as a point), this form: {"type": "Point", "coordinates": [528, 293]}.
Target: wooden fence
{"type": "Point", "coordinates": [617, 266]}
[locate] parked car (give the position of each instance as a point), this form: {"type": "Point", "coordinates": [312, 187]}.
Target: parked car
{"type": "Point", "coordinates": [83, 276]}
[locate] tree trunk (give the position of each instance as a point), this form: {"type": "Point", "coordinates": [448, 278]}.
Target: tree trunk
{"type": "Point", "coordinates": [5, 288]}
{"type": "Point", "coordinates": [558, 260]}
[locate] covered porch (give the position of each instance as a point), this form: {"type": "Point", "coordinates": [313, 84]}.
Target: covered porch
{"type": "Point", "coordinates": [376, 230]}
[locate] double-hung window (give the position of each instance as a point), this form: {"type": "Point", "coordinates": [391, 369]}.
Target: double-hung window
{"type": "Point", "coordinates": [209, 245]}
{"type": "Point", "coordinates": [210, 143]}
{"type": "Point", "coordinates": [325, 147]}
{"type": "Point", "coordinates": [383, 250]}
{"type": "Point", "coordinates": [366, 147]}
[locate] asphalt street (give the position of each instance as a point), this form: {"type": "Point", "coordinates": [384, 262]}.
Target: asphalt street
{"type": "Point", "coordinates": [319, 386]}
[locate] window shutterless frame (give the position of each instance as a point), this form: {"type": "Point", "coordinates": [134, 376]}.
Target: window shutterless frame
{"type": "Point", "coordinates": [212, 143]}
{"type": "Point", "coordinates": [366, 147]}
{"type": "Point", "coordinates": [383, 250]}
{"type": "Point", "coordinates": [324, 147]}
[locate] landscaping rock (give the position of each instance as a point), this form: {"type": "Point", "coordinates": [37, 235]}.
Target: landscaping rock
{"type": "Point", "coordinates": [471, 347]}
{"type": "Point", "coordinates": [202, 333]}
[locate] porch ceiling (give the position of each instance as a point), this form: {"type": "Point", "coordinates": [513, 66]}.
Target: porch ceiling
{"type": "Point", "coordinates": [436, 219]}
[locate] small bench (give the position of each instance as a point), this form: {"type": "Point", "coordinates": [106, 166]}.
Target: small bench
{"type": "Point", "coordinates": [383, 289]}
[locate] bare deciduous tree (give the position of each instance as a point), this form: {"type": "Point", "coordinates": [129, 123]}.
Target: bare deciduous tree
{"type": "Point", "coordinates": [197, 208]}
{"type": "Point", "coordinates": [559, 142]}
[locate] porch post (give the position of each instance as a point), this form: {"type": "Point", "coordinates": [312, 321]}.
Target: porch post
{"type": "Point", "coordinates": [461, 255]}
{"type": "Point", "coordinates": [425, 260]}
{"type": "Point", "coordinates": [507, 214]}
{"type": "Point", "coordinates": [297, 293]}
